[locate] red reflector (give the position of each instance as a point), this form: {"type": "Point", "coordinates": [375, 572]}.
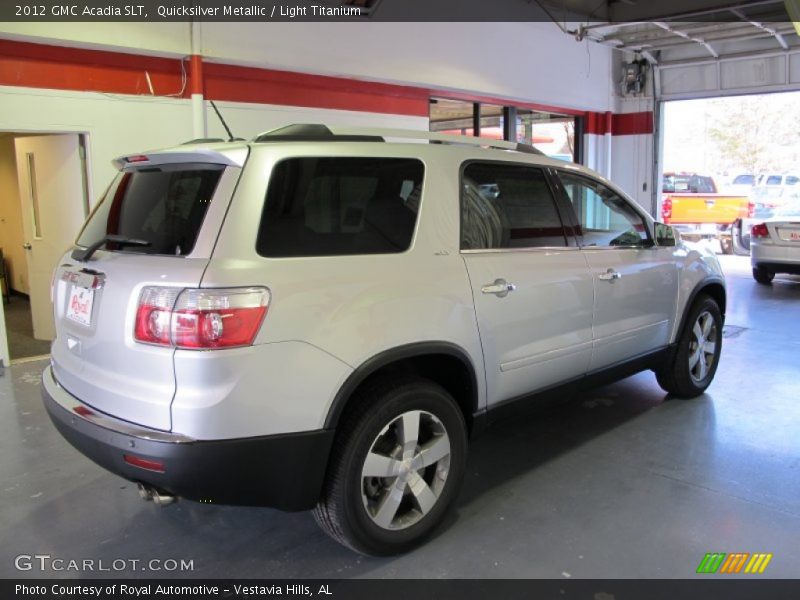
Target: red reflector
{"type": "Point", "coordinates": [137, 158]}
{"type": "Point", "coordinates": [760, 231]}
{"type": "Point", "coordinates": [82, 411]}
{"type": "Point", "coordinates": [666, 210]}
{"type": "Point", "coordinates": [144, 463]}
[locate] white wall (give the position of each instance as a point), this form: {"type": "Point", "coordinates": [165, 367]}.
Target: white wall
{"type": "Point", "coordinates": [532, 62]}
{"type": "Point", "coordinates": [119, 125]}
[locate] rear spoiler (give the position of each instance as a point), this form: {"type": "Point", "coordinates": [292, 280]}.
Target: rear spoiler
{"type": "Point", "coordinates": [231, 158]}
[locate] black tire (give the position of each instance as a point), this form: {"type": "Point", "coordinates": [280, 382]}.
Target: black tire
{"type": "Point", "coordinates": [343, 511]}
{"type": "Point", "coordinates": [763, 276]}
{"type": "Point", "coordinates": [680, 376]}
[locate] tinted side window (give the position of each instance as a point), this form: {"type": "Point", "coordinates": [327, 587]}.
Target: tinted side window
{"type": "Point", "coordinates": [507, 206]}
{"type": "Point", "coordinates": [605, 218]}
{"type": "Point", "coordinates": [336, 206]}
{"type": "Point", "coordinates": [164, 205]}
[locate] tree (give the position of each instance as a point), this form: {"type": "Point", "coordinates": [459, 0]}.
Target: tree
{"type": "Point", "coordinates": [754, 134]}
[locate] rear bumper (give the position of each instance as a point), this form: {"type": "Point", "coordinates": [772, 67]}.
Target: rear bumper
{"type": "Point", "coordinates": [792, 269]}
{"type": "Point", "coordinates": [281, 471]}
{"type": "Point", "coordinates": [776, 258]}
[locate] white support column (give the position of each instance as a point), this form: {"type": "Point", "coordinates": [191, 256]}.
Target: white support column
{"type": "Point", "coordinates": [199, 124]}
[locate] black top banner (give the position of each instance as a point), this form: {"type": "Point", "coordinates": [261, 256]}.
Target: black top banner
{"type": "Point", "coordinates": [575, 11]}
{"type": "Point", "coordinates": [404, 589]}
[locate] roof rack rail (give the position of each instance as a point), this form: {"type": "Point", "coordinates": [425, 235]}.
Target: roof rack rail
{"type": "Point", "coordinates": [333, 133]}
{"type": "Point", "coordinates": [306, 132]}
{"type": "Point", "coordinates": [203, 141]}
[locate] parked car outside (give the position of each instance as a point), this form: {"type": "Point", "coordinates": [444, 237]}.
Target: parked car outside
{"type": "Point", "coordinates": [321, 319]}
{"type": "Point", "coordinates": [741, 185]}
{"type": "Point", "coordinates": [775, 242]}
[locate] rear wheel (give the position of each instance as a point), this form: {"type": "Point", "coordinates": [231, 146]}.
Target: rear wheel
{"type": "Point", "coordinates": [692, 366]}
{"type": "Point", "coordinates": [396, 466]}
{"type": "Point", "coordinates": [762, 275]}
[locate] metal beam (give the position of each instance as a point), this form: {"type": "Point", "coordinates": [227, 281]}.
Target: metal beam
{"type": "Point", "coordinates": [700, 41]}
{"type": "Point", "coordinates": [778, 37]}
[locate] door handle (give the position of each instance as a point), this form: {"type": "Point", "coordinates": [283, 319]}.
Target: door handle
{"type": "Point", "coordinates": [27, 245]}
{"type": "Point", "coordinates": [610, 275]}
{"type": "Point", "coordinates": [499, 288]}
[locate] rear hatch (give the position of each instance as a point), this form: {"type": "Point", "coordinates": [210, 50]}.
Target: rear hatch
{"type": "Point", "coordinates": [163, 212]}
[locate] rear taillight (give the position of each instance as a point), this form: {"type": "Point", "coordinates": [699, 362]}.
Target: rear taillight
{"type": "Point", "coordinates": [154, 315]}
{"type": "Point", "coordinates": [666, 209]}
{"type": "Point", "coordinates": [759, 231]}
{"type": "Point", "coordinates": [200, 318]}
{"type": "Point", "coordinates": [751, 209]}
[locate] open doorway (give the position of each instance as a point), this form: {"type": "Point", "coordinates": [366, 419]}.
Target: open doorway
{"type": "Point", "coordinates": [43, 201]}
{"type": "Point", "coordinates": [729, 162]}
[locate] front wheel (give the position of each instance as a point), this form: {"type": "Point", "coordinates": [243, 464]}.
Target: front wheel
{"type": "Point", "coordinates": [693, 364]}
{"type": "Point", "coordinates": [396, 466]}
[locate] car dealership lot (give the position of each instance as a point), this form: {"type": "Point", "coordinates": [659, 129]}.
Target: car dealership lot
{"type": "Point", "coordinates": [620, 482]}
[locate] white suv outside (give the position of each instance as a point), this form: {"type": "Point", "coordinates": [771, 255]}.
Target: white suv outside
{"type": "Point", "coordinates": [320, 318]}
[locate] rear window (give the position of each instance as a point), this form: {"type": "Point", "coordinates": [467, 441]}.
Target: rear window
{"type": "Point", "coordinates": [692, 184]}
{"type": "Point", "coordinates": [164, 206]}
{"type": "Point", "coordinates": [339, 205]}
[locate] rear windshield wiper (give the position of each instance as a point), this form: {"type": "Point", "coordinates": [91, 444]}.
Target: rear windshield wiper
{"type": "Point", "coordinates": [84, 255]}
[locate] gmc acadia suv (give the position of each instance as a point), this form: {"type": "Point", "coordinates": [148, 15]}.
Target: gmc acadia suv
{"type": "Point", "coordinates": [320, 319]}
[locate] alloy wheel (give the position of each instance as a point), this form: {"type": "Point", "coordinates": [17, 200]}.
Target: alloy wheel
{"type": "Point", "coordinates": [405, 470]}
{"type": "Point", "coordinates": [703, 346]}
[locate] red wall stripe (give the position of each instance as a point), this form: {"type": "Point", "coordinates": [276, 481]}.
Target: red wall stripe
{"type": "Point", "coordinates": [639, 123]}
{"type": "Point", "coordinates": [267, 86]}
{"type": "Point", "coordinates": [40, 66]}
{"type": "Point", "coordinates": [26, 64]}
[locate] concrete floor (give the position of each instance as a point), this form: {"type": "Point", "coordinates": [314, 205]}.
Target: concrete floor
{"type": "Point", "coordinates": [619, 483]}
{"type": "Point", "coordinates": [19, 329]}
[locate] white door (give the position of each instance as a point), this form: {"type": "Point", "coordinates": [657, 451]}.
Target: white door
{"type": "Point", "coordinates": [53, 197]}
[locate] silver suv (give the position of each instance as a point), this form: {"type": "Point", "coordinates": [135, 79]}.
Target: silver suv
{"type": "Point", "coordinates": [320, 318]}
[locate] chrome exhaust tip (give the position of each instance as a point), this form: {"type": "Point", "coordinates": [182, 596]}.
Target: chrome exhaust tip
{"type": "Point", "coordinates": [159, 498]}
{"type": "Point", "coordinates": [163, 499]}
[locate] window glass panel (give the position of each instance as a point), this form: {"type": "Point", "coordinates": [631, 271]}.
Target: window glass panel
{"type": "Point", "coordinates": [337, 206]}
{"type": "Point", "coordinates": [605, 218]}
{"type": "Point", "coordinates": [164, 205]}
{"type": "Point", "coordinates": [507, 206]}
{"type": "Point", "coordinates": [34, 191]}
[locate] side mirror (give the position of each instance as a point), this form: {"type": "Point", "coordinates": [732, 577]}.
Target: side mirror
{"type": "Point", "coordinates": [665, 235]}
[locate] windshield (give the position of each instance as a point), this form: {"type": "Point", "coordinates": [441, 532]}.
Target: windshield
{"type": "Point", "coordinates": [164, 205]}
